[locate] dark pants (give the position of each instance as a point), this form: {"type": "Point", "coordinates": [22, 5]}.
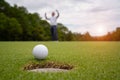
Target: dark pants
{"type": "Point", "coordinates": [54, 33]}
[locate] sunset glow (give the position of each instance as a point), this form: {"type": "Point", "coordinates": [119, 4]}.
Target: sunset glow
{"type": "Point", "coordinates": [100, 30]}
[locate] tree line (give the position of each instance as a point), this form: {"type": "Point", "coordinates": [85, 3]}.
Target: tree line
{"type": "Point", "coordinates": [110, 36]}
{"type": "Point", "coordinates": [17, 24]}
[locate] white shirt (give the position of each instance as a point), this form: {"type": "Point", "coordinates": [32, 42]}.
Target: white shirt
{"type": "Point", "coordinates": [53, 21]}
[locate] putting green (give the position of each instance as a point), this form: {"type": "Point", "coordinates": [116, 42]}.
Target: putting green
{"type": "Point", "coordinates": [91, 60]}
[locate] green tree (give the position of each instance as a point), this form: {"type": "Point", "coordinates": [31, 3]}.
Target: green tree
{"type": "Point", "coordinates": [69, 36]}
{"type": "Point", "coordinates": [10, 29]}
{"type": "Point", "coordinates": [62, 32]}
{"type": "Point", "coordinates": [86, 37]}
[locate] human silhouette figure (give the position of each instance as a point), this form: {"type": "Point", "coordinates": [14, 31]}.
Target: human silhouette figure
{"type": "Point", "coordinates": [53, 24]}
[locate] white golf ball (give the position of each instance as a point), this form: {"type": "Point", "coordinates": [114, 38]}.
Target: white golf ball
{"type": "Point", "coordinates": [40, 51]}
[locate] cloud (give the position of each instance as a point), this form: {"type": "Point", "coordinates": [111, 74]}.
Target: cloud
{"type": "Point", "coordinates": [78, 15]}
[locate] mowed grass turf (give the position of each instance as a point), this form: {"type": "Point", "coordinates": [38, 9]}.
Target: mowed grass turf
{"type": "Point", "coordinates": [91, 60]}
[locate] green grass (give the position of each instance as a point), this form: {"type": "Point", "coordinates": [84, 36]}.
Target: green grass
{"type": "Point", "coordinates": [91, 60]}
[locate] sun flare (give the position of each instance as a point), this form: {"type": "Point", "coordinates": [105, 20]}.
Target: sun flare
{"type": "Point", "coordinates": [100, 30]}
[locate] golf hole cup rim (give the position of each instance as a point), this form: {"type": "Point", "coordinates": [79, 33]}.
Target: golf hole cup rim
{"type": "Point", "coordinates": [40, 51]}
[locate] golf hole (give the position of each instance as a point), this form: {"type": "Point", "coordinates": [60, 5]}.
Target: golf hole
{"type": "Point", "coordinates": [48, 67]}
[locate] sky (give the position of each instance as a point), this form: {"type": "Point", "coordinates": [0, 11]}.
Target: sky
{"type": "Point", "coordinates": [98, 17]}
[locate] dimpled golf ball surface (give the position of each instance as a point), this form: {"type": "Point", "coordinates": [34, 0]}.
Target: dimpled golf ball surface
{"type": "Point", "coordinates": [40, 51]}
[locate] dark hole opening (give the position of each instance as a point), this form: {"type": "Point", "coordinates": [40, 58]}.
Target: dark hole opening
{"type": "Point", "coordinates": [32, 66]}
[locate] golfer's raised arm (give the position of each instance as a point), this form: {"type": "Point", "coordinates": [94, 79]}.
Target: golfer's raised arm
{"type": "Point", "coordinates": [57, 14]}
{"type": "Point", "coordinates": [46, 16]}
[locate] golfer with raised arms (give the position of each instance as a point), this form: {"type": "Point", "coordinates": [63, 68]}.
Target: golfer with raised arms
{"type": "Point", "coordinates": [53, 23]}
